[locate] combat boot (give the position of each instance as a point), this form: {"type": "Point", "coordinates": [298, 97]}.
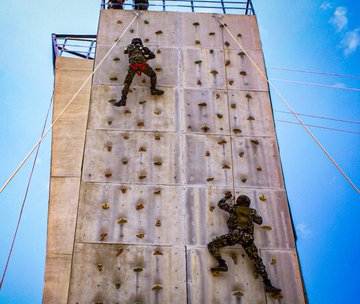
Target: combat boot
{"type": "Point", "coordinates": [121, 102]}
{"type": "Point", "coordinates": [155, 91]}
{"type": "Point", "coordinates": [269, 288]}
{"type": "Point", "coordinates": [221, 267]}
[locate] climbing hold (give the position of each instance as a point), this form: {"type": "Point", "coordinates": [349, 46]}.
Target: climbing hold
{"type": "Point", "coordinates": [157, 137]}
{"type": "Point", "coordinates": [109, 148]}
{"type": "Point", "coordinates": [227, 43]}
{"type": "Point", "coordinates": [157, 287]}
{"type": "Point", "coordinates": [214, 72]}
{"type": "Point", "coordinates": [196, 24]}
{"type": "Point", "coordinates": [158, 51]}
{"type": "Point", "coordinates": [202, 104]}
{"type": "Point", "coordinates": [132, 31]}
{"type": "Point", "coordinates": [211, 34]}
{"type": "Point", "coordinates": [239, 35]}
{"type": "Point", "coordinates": [273, 261]}
{"type": "Point", "coordinates": [211, 51]}
{"type": "Point", "coordinates": [122, 220]}
{"type": "Point", "coordinates": [158, 32]}
{"type": "Point", "coordinates": [117, 285]}
{"type": "Point", "coordinates": [157, 191]}
{"type": "Point", "coordinates": [157, 252]}
{"type": "Point", "coordinates": [207, 153]}
{"type": "Point", "coordinates": [241, 154]}
{"type": "Point", "coordinates": [258, 168]}
{"type": "Point", "coordinates": [233, 105]}
{"type": "Point", "coordinates": [211, 208]}
{"type": "Point", "coordinates": [234, 258]}
{"type": "Point", "coordinates": [119, 22]}
{"type": "Point", "coordinates": [142, 176]}
{"type": "Point", "coordinates": [123, 189]}
{"type": "Point", "coordinates": [146, 22]}
{"type": "Point", "coordinates": [108, 174]}
{"type": "Point", "coordinates": [141, 123]}
{"type": "Point", "coordinates": [277, 296]}
{"type": "Point", "coordinates": [125, 136]}
{"type": "Point", "coordinates": [236, 131]}
{"type": "Point", "coordinates": [222, 141]}
{"type": "Point", "coordinates": [231, 82]}
{"type": "Point", "coordinates": [227, 62]}
{"type": "Point", "coordinates": [219, 115]}
{"type": "Point", "coordinates": [243, 73]}
{"type": "Point", "coordinates": [226, 166]}
{"type": "Point", "coordinates": [142, 149]}
{"type": "Point", "coordinates": [119, 251]}
{"type": "Point", "coordinates": [244, 179]}
{"type": "Point", "coordinates": [116, 59]}
{"type": "Point", "coordinates": [262, 197]}
{"type": "Point", "coordinates": [237, 293]}
{"type": "Point", "coordinates": [250, 118]}
{"type": "Point", "coordinates": [103, 236]}
{"type": "Point", "coordinates": [140, 235]}
{"type": "Point", "coordinates": [100, 267]}
{"type": "Point", "coordinates": [217, 95]}
{"type": "Point", "coordinates": [139, 206]}
{"type": "Point", "coordinates": [266, 227]}
{"type": "Point", "coordinates": [242, 54]}
{"type": "Point", "coordinates": [197, 42]}
{"type": "Point", "coordinates": [157, 112]}
{"type": "Point", "coordinates": [158, 223]}
{"type": "Point", "coordinates": [146, 40]}
{"type": "Point", "coordinates": [142, 102]}
{"type": "Point", "coordinates": [254, 141]}
{"type": "Point", "coordinates": [223, 25]}
{"type": "Point", "coordinates": [127, 111]}
{"type": "Point", "coordinates": [157, 163]}
{"type": "Point", "coordinates": [248, 97]}
{"type": "Point", "coordinates": [138, 269]}
{"type": "Point", "coordinates": [109, 122]}
{"type": "Point", "coordinates": [113, 78]}
{"type": "Point", "coordinates": [198, 82]}
{"type": "Point", "coordinates": [125, 161]}
{"type": "Point", "coordinates": [198, 61]}
{"type": "Point", "coordinates": [112, 100]}
{"type": "Point", "coordinates": [209, 179]}
{"type": "Point", "coordinates": [105, 206]}
{"type": "Point", "coordinates": [205, 128]}
{"type": "Point", "coordinates": [158, 69]}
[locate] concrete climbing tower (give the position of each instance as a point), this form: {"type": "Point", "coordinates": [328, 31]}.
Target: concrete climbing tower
{"type": "Point", "coordinates": [134, 190]}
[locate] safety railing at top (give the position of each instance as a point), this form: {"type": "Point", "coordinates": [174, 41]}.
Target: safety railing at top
{"type": "Point", "coordinates": [69, 45]}
{"type": "Point", "coordinates": [204, 6]}
{"type": "Point", "coordinates": [83, 46]}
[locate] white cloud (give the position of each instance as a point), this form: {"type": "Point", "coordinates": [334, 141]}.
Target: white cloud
{"type": "Point", "coordinates": [303, 231]}
{"type": "Point", "coordinates": [326, 5]}
{"type": "Point", "coordinates": [339, 19]}
{"type": "Point", "coordinates": [351, 42]}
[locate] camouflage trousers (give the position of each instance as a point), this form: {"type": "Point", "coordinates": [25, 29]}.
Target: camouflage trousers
{"type": "Point", "coordinates": [246, 240]}
{"type": "Point", "coordinates": [130, 76]}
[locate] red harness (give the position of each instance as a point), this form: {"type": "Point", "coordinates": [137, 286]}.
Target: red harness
{"type": "Point", "coordinates": [138, 67]}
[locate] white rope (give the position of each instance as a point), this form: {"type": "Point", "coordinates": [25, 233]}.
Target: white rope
{"type": "Point", "coordinates": [315, 72]}
{"type": "Point", "coordinates": [65, 108]}
{"type": "Point", "coordinates": [288, 106]}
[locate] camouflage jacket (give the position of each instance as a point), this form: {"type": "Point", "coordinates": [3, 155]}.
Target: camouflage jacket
{"type": "Point", "coordinates": [241, 217]}
{"type": "Point", "coordinates": [138, 55]}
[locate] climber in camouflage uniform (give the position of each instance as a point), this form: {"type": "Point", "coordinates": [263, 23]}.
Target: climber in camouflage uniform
{"type": "Point", "coordinates": [241, 231]}
{"type": "Point", "coordinates": [138, 56]}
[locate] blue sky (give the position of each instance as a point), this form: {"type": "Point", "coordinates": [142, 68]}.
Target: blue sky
{"type": "Point", "coordinates": [316, 35]}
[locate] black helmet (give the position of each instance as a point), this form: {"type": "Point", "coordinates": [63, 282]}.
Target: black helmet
{"type": "Point", "coordinates": [243, 200]}
{"type": "Point", "coordinates": [136, 41]}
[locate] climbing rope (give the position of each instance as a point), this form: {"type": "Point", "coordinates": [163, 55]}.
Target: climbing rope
{"type": "Point", "coordinates": [65, 108]}
{"type": "Point", "coordinates": [287, 104]}
{"type": "Point", "coordinates": [25, 195]}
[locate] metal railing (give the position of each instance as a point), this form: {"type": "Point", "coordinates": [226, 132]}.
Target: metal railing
{"type": "Point", "coordinates": [69, 45]}
{"type": "Point", "coordinates": [204, 6]}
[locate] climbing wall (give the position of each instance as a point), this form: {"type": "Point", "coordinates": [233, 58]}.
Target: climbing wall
{"type": "Point", "coordinates": [153, 171]}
